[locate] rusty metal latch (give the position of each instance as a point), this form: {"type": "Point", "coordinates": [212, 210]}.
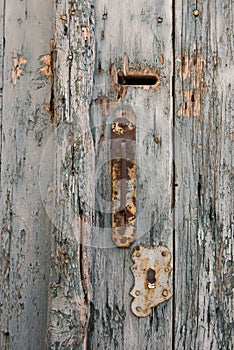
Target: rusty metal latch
{"type": "Point", "coordinates": [151, 271]}
{"type": "Point", "coordinates": [123, 154]}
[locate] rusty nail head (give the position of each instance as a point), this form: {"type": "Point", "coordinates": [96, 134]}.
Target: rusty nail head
{"type": "Point", "coordinates": [164, 253]}
{"type": "Point", "coordinates": [138, 254]}
{"type": "Point", "coordinates": [165, 293]}
{"type": "Point", "coordinates": [63, 17]}
{"type": "Point", "coordinates": [160, 19]}
{"type": "Point", "coordinates": [196, 13]}
{"type": "Point", "coordinates": [138, 292]}
{"type": "Point", "coordinates": [138, 308]}
{"type": "Point", "coordinates": [73, 12]}
{"type": "Point", "coordinates": [70, 57]}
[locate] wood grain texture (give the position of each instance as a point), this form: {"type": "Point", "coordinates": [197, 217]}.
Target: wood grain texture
{"type": "Point", "coordinates": [63, 283]}
{"type": "Point", "coordinates": [203, 236]}
{"type": "Point", "coordinates": [130, 38]}
{"type": "Point", "coordinates": [2, 45]}
{"type": "Point", "coordinates": [68, 194]}
{"type": "Point", "coordinates": [26, 29]}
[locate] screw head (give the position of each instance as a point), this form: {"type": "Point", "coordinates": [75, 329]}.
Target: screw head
{"type": "Point", "coordinates": [138, 308]}
{"type": "Point", "coordinates": [196, 13]}
{"type": "Point", "coordinates": [138, 292]}
{"type": "Point", "coordinates": [160, 19]}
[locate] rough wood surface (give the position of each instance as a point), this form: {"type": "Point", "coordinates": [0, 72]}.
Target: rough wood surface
{"type": "Point", "coordinates": [203, 235]}
{"type": "Point", "coordinates": [63, 283]}
{"type": "Point", "coordinates": [130, 37]}
{"type": "Point", "coordinates": [26, 28]}
{"type": "Point", "coordinates": [68, 194]}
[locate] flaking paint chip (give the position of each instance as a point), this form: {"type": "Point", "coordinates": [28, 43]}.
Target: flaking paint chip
{"type": "Point", "coordinates": [46, 70]}
{"type": "Point", "coordinates": [85, 33]}
{"type": "Point", "coordinates": [18, 67]}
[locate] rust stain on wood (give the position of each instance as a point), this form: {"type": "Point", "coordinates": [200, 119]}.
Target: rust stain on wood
{"type": "Point", "coordinates": [48, 71]}
{"type": "Point", "coordinates": [161, 59]}
{"type": "Point", "coordinates": [191, 70]}
{"type": "Point", "coordinates": [47, 65]}
{"type": "Point", "coordinates": [192, 104]}
{"type": "Point", "coordinates": [18, 67]}
{"type": "Point", "coordinates": [85, 33]}
{"type": "Point", "coordinates": [151, 271]}
{"type": "Point", "coordinates": [123, 152]}
{"type": "Point", "coordinates": [189, 66]}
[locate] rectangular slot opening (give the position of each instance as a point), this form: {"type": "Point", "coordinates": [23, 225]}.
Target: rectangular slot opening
{"type": "Point", "coordinates": [136, 80]}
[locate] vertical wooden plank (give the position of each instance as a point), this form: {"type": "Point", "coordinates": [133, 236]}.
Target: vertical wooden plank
{"type": "Point", "coordinates": [131, 36]}
{"type": "Point", "coordinates": [68, 194]}
{"type": "Point", "coordinates": [27, 28]}
{"type": "Point", "coordinates": [203, 252]}
{"type": "Point", "coordinates": [2, 44]}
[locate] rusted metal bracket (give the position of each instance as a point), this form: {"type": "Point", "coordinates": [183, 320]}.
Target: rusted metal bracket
{"type": "Point", "coordinates": [123, 155]}
{"type": "Point", "coordinates": [151, 271]}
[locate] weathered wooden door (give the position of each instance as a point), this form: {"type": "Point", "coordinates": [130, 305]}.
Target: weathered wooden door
{"type": "Point", "coordinates": [69, 70]}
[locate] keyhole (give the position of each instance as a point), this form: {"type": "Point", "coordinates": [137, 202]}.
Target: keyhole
{"type": "Point", "coordinates": [151, 279]}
